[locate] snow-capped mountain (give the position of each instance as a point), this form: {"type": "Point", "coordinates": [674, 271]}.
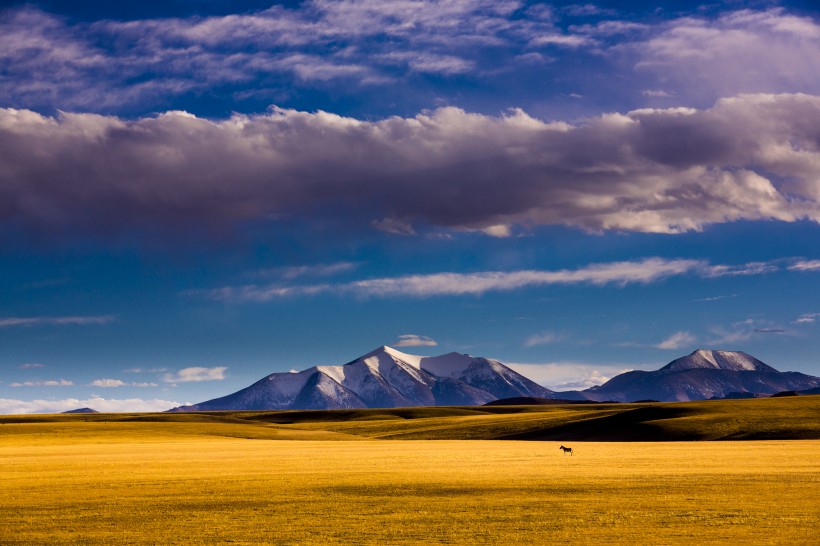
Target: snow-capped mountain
{"type": "Point", "coordinates": [718, 360]}
{"type": "Point", "coordinates": [701, 375]}
{"type": "Point", "coordinates": [383, 378]}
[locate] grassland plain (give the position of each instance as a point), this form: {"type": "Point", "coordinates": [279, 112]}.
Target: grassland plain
{"type": "Point", "coordinates": [204, 479]}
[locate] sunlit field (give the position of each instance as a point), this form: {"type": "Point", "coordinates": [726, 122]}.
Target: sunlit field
{"type": "Point", "coordinates": [100, 482]}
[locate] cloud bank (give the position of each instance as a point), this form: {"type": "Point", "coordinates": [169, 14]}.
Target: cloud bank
{"type": "Point", "coordinates": [751, 157]}
{"type": "Point", "coordinates": [565, 376]}
{"type": "Point", "coordinates": [104, 405]}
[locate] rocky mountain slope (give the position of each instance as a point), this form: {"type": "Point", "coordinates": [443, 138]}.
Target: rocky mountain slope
{"type": "Point", "coordinates": [701, 375]}
{"type": "Point", "coordinates": [383, 378]}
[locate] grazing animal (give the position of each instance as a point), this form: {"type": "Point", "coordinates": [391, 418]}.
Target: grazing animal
{"type": "Point", "coordinates": [566, 450]}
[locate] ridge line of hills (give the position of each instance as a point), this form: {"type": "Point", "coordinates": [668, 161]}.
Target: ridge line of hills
{"type": "Point", "coordinates": [387, 378]}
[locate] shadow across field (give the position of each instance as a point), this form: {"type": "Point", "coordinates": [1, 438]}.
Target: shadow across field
{"type": "Point", "coordinates": [633, 425]}
{"type": "Point", "coordinates": [784, 418]}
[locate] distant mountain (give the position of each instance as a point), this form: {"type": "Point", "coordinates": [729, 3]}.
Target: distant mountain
{"type": "Point", "coordinates": [383, 378]}
{"type": "Point", "coordinates": [701, 375]}
{"type": "Point", "coordinates": [82, 410]}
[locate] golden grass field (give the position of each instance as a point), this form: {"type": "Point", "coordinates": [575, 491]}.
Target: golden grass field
{"type": "Point", "coordinates": [204, 479]}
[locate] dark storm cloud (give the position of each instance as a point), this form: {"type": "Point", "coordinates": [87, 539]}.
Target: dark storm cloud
{"type": "Point", "coordinates": [647, 170]}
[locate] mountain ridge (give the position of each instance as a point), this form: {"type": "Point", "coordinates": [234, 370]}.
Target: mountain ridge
{"type": "Point", "coordinates": [701, 375]}
{"type": "Point", "coordinates": [388, 378]}
{"type": "Point", "coordinates": [382, 378]}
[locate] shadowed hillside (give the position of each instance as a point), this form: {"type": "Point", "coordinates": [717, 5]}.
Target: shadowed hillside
{"type": "Point", "coordinates": [751, 419]}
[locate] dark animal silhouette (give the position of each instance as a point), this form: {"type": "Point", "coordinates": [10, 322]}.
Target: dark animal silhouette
{"type": "Point", "coordinates": [566, 450]}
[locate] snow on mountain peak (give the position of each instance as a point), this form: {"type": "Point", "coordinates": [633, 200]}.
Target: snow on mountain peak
{"type": "Point", "coordinates": [719, 360]}
{"type": "Point", "coordinates": [384, 377]}
{"type": "Point", "coordinates": [708, 356]}
{"type": "Point", "coordinates": [385, 350]}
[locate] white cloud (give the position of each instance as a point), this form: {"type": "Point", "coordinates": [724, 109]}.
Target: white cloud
{"type": "Point", "coordinates": [413, 340]}
{"type": "Point", "coordinates": [751, 268]}
{"type": "Point", "coordinates": [743, 331]}
{"type": "Point", "coordinates": [807, 318]}
{"type": "Point", "coordinates": [107, 383]}
{"type": "Point", "coordinates": [31, 366]}
{"type": "Point", "coordinates": [565, 40]}
{"type": "Point", "coordinates": [316, 42]}
{"type": "Point", "coordinates": [114, 383]}
{"type": "Point", "coordinates": [320, 270]}
{"type": "Point", "coordinates": [644, 271]}
{"type": "Point", "coordinates": [444, 284]}
{"type": "Point", "coordinates": [717, 298]}
{"type": "Point", "coordinates": [499, 230]}
{"type": "Point", "coordinates": [46, 383]}
{"type": "Point", "coordinates": [560, 376]}
{"type": "Point", "coordinates": [656, 93]}
{"type": "Point", "coordinates": [104, 405]}
{"type": "Point", "coordinates": [10, 322]}
{"type": "Point", "coordinates": [740, 51]}
{"type": "Point", "coordinates": [196, 374]}
{"type": "Point", "coordinates": [678, 340]}
{"type": "Point", "coordinates": [805, 265]}
{"type": "Point", "coordinates": [544, 338]}
{"type": "Point", "coordinates": [455, 284]}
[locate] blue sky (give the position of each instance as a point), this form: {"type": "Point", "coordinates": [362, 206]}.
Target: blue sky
{"type": "Point", "coordinates": [194, 194]}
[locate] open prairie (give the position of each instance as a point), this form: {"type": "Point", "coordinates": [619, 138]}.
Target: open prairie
{"type": "Point", "coordinates": [192, 479]}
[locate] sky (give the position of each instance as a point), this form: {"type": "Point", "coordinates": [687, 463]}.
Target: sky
{"type": "Point", "coordinates": [197, 193]}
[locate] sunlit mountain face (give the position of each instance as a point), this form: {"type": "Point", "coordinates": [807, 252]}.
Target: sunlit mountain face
{"type": "Point", "coordinates": [194, 195]}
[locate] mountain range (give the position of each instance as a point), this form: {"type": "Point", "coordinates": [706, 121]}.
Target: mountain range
{"type": "Point", "coordinates": [383, 378]}
{"type": "Point", "coordinates": [386, 378]}
{"type": "Point", "coordinates": [700, 375]}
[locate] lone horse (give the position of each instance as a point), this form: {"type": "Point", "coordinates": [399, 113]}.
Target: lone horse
{"type": "Point", "coordinates": [566, 450]}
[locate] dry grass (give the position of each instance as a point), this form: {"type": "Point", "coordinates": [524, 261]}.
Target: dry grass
{"type": "Point", "coordinates": [137, 482]}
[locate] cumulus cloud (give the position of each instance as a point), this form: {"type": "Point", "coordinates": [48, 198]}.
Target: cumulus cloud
{"type": "Point", "coordinates": [196, 374]}
{"type": "Point", "coordinates": [104, 405]}
{"type": "Point", "coordinates": [765, 51]}
{"type": "Point", "coordinates": [750, 157]}
{"type": "Point", "coordinates": [46, 383]}
{"type": "Point", "coordinates": [107, 383]}
{"type": "Point", "coordinates": [413, 340]}
{"type": "Point", "coordinates": [10, 322]}
{"type": "Point", "coordinates": [807, 318]}
{"type": "Point", "coordinates": [678, 340]}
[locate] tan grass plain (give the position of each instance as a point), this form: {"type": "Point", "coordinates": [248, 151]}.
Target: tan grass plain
{"type": "Point", "coordinates": [191, 483]}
